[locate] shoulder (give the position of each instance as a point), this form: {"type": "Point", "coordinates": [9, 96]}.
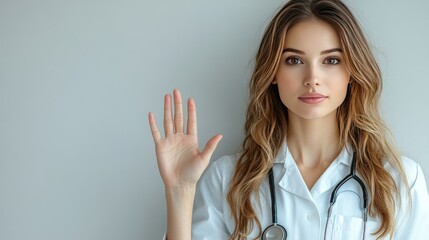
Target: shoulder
{"type": "Point", "coordinates": [415, 177]}
{"type": "Point", "coordinates": [220, 171]}
{"type": "Point", "coordinates": [415, 210]}
{"type": "Point", "coordinates": [212, 188]}
{"type": "Point", "coordinates": [412, 171]}
{"type": "Point", "coordinates": [225, 164]}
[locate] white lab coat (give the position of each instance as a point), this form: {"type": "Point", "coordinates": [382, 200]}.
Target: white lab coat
{"type": "Point", "coordinates": [303, 212]}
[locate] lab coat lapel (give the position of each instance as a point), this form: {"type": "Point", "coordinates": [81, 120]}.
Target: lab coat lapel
{"type": "Point", "coordinates": [338, 169]}
{"type": "Point", "coordinates": [292, 180]}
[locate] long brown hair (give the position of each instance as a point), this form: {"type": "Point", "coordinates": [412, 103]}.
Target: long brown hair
{"type": "Point", "coordinates": [360, 124]}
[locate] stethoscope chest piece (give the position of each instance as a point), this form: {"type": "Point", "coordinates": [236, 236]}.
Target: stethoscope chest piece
{"type": "Point", "coordinates": [274, 232]}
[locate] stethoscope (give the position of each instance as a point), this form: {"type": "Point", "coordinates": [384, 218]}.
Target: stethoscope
{"type": "Point", "coordinates": [277, 232]}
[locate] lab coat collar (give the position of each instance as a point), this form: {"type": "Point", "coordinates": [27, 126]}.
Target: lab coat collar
{"type": "Point", "coordinates": [293, 182]}
{"type": "Point", "coordinates": [281, 155]}
{"type": "Point", "coordinates": [338, 169]}
{"type": "Point", "coordinates": [346, 156]}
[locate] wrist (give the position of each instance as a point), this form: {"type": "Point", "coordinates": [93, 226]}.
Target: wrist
{"type": "Point", "coordinates": [179, 211]}
{"type": "Point", "coordinates": [181, 191]}
{"type": "Point", "coordinates": [180, 196]}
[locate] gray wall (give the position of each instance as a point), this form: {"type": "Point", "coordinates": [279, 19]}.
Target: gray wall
{"type": "Point", "coordinates": [77, 79]}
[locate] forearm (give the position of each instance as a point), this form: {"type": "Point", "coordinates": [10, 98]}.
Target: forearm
{"type": "Point", "coordinates": [179, 213]}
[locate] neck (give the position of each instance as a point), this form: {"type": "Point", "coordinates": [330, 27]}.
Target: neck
{"type": "Point", "coordinates": [314, 142]}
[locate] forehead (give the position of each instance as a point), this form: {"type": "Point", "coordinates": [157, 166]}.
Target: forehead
{"type": "Point", "coordinates": [312, 35]}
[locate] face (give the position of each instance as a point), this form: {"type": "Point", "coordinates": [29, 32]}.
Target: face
{"type": "Point", "coordinates": [312, 77]}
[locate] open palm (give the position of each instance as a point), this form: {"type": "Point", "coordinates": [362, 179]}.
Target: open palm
{"type": "Point", "coordinates": [179, 160]}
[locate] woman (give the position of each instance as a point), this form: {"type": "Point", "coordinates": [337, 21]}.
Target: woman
{"type": "Point", "coordinates": [312, 118]}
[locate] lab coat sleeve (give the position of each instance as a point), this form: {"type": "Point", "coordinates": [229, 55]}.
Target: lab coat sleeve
{"type": "Point", "coordinates": [208, 215]}
{"type": "Point", "coordinates": [416, 221]}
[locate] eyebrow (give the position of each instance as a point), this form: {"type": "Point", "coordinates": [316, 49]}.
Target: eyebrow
{"type": "Point", "coordinates": [322, 52]}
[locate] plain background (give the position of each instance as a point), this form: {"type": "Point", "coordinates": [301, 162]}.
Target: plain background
{"type": "Point", "coordinates": [78, 78]}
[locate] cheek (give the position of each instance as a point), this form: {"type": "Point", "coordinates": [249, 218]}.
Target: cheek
{"type": "Point", "coordinates": [288, 87]}
{"type": "Point", "coordinates": [341, 85]}
{"type": "Point", "coordinates": [288, 81]}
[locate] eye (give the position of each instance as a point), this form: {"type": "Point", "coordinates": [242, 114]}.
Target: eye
{"type": "Point", "coordinates": [293, 61]}
{"type": "Point", "coordinates": [331, 61]}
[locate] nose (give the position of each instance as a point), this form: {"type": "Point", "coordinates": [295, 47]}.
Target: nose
{"type": "Point", "coordinates": [312, 77]}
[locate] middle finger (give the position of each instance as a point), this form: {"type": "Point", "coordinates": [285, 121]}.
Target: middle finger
{"type": "Point", "coordinates": [178, 112]}
{"type": "Point", "coordinates": [168, 120]}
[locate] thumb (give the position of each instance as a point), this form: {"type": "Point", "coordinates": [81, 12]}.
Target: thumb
{"type": "Point", "coordinates": [211, 146]}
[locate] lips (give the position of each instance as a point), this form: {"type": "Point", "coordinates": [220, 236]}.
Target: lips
{"type": "Point", "coordinates": [312, 98]}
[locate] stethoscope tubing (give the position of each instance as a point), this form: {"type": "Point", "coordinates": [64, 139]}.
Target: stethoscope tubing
{"type": "Point", "coordinates": [333, 198]}
{"type": "Point", "coordinates": [273, 197]}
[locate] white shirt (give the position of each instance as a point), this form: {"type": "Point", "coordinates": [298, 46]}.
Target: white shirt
{"type": "Point", "coordinates": [302, 211]}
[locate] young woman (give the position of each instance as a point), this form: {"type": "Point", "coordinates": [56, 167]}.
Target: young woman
{"type": "Point", "coordinates": [312, 123]}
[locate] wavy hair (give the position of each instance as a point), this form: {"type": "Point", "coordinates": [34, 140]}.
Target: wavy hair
{"type": "Point", "coordinates": [359, 121]}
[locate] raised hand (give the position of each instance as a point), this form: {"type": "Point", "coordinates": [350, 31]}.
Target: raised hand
{"type": "Point", "coordinates": [179, 160]}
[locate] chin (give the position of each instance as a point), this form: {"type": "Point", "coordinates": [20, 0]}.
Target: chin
{"type": "Point", "coordinates": [315, 115]}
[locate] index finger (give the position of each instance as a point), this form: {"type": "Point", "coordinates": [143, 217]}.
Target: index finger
{"type": "Point", "coordinates": [178, 112]}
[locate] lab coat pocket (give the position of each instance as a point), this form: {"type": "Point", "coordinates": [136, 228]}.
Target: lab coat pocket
{"type": "Point", "coordinates": [351, 228]}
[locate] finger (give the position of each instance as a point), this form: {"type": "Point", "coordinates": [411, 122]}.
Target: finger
{"type": "Point", "coordinates": [178, 112]}
{"type": "Point", "coordinates": [168, 119]}
{"type": "Point", "coordinates": [192, 118]}
{"type": "Point", "coordinates": [154, 129]}
{"type": "Point", "coordinates": [211, 146]}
